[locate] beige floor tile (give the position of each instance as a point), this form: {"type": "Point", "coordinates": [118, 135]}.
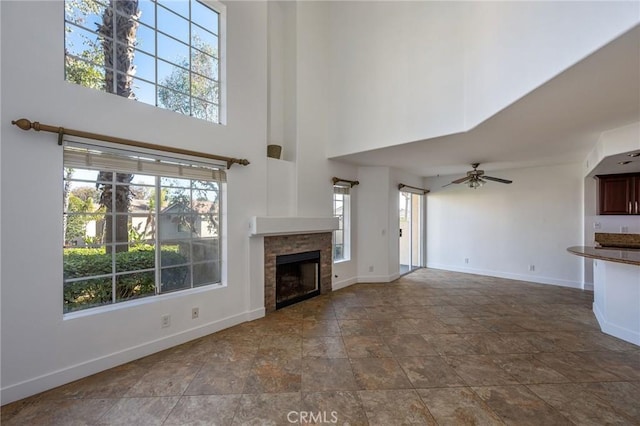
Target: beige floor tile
{"type": "Point", "coordinates": [395, 407]}
{"type": "Point", "coordinates": [203, 410]}
{"type": "Point", "coordinates": [458, 406]}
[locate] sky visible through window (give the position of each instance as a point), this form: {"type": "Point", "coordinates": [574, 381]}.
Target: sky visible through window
{"type": "Point", "coordinates": [176, 53]}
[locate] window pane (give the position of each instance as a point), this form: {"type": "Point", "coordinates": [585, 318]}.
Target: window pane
{"type": "Point", "coordinates": [145, 40]}
{"type": "Point", "coordinates": [175, 182]}
{"type": "Point", "coordinates": [83, 229]}
{"type": "Point", "coordinates": [204, 40]}
{"type": "Point", "coordinates": [133, 286]}
{"type": "Point", "coordinates": [177, 252]}
{"type": "Point", "coordinates": [174, 101]}
{"type": "Point", "coordinates": [89, 16]}
{"type": "Point", "coordinates": [206, 273]}
{"type": "Point", "coordinates": [206, 226]}
{"type": "Point", "coordinates": [86, 294]}
{"type": "Point", "coordinates": [145, 66]}
{"type": "Point", "coordinates": [204, 16]}
{"type": "Point", "coordinates": [130, 259]}
{"type": "Point", "coordinates": [206, 185]}
{"type": "Point", "coordinates": [177, 278]}
{"type": "Point", "coordinates": [172, 50]}
{"type": "Point", "coordinates": [147, 12]}
{"type": "Point", "coordinates": [172, 24]}
{"type": "Point", "coordinates": [86, 262]}
{"type": "Point", "coordinates": [204, 65]}
{"type": "Point", "coordinates": [203, 88]}
{"type": "Point", "coordinates": [205, 110]}
{"type": "Point", "coordinates": [206, 249]}
{"type": "Point", "coordinates": [203, 205]}
{"type": "Point", "coordinates": [84, 44]}
{"type": "Point", "coordinates": [144, 92]}
{"type": "Point", "coordinates": [173, 76]}
{"type": "Point", "coordinates": [179, 6]}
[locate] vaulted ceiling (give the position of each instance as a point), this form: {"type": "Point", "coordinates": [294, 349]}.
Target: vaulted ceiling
{"type": "Point", "coordinates": [559, 122]}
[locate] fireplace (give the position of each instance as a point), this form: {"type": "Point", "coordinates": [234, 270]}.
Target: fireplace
{"type": "Point", "coordinates": [308, 249]}
{"type": "Point", "coordinates": [297, 277]}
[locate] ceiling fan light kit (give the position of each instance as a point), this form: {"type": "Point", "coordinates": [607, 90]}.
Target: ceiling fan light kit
{"type": "Point", "coordinates": [476, 178]}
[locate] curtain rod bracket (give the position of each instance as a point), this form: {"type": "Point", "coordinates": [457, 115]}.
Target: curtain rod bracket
{"type": "Point", "coordinates": [350, 182]}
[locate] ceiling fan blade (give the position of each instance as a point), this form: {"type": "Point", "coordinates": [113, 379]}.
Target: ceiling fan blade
{"type": "Point", "coordinates": [495, 179]}
{"type": "Point", "coordinates": [464, 179]}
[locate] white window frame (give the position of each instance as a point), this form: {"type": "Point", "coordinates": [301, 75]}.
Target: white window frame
{"type": "Point", "coordinates": [345, 218]}
{"type": "Point", "coordinates": [217, 7]}
{"type": "Point", "coordinates": [111, 158]}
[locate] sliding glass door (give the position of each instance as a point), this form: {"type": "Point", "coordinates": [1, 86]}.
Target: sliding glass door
{"type": "Point", "coordinates": [411, 220]}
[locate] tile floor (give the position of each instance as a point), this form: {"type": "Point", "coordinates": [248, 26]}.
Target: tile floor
{"type": "Point", "coordinates": [434, 347]}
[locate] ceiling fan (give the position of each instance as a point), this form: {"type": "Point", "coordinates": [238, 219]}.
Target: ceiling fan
{"type": "Point", "coordinates": [476, 178]}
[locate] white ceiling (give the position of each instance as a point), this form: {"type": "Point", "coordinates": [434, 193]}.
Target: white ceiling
{"type": "Point", "coordinates": [557, 123]}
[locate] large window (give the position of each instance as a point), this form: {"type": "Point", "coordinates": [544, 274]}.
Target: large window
{"type": "Point", "coordinates": [163, 53]}
{"type": "Point", "coordinates": [137, 225]}
{"type": "Point", "coordinates": [341, 236]}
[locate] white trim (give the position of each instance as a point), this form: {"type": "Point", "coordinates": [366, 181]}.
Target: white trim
{"type": "Point", "coordinates": [509, 275]}
{"type": "Point", "coordinates": [615, 330]}
{"type": "Point", "coordinates": [337, 285]}
{"type": "Point", "coordinates": [379, 278]}
{"type": "Point", "coordinates": [65, 375]}
{"type": "Point", "coordinates": [273, 225]}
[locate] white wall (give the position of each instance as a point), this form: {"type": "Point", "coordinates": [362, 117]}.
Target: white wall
{"type": "Point", "coordinates": [514, 47]}
{"type": "Point", "coordinates": [502, 229]}
{"type": "Point", "coordinates": [379, 221]}
{"type": "Point", "coordinates": [407, 71]}
{"type": "Point", "coordinates": [397, 71]}
{"type": "Point", "coordinates": [41, 348]}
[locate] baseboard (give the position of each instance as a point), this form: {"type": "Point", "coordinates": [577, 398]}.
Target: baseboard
{"type": "Point", "coordinates": [588, 286]}
{"type": "Point", "coordinates": [337, 285]}
{"type": "Point", "coordinates": [615, 330]}
{"type": "Point", "coordinates": [378, 278]}
{"type": "Point", "coordinates": [509, 275]}
{"type": "Point", "coordinates": [60, 377]}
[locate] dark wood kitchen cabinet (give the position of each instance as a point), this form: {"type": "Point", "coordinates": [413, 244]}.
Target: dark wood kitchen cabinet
{"type": "Point", "coordinates": [619, 194]}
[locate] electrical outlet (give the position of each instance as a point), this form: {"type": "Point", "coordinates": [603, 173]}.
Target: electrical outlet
{"type": "Point", "coordinates": [195, 313]}
{"type": "Point", "coordinates": [624, 229]}
{"type": "Point", "coordinates": [466, 260]}
{"type": "Point", "coordinates": [532, 268]}
{"type": "Point", "coordinates": [165, 321]}
{"type": "Point", "coordinates": [597, 225]}
{"type": "Point", "coordinates": [370, 268]}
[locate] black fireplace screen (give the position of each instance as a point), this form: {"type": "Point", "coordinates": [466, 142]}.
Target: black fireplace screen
{"type": "Point", "coordinates": [297, 277]}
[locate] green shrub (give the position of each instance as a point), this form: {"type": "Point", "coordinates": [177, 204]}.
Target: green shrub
{"type": "Point", "coordinates": [86, 262]}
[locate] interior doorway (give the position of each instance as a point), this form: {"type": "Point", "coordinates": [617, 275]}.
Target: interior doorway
{"type": "Point", "coordinates": [411, 220]}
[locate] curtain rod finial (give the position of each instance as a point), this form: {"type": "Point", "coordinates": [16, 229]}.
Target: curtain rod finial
{"type": "Point", "coordinates": [23, 123]}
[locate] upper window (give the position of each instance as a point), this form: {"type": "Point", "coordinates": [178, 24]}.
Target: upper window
{"type": "Point", "coordinates": [163, 53]}
{"type": "Point", "coordinates": [342, 235]}
{"type": "Point", "coordinates": [137, 225]}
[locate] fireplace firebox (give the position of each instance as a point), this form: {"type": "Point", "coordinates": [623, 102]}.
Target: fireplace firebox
{"type": "Point", "coordinates": [297, 277]}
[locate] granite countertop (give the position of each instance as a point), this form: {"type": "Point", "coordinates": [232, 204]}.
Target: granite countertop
{"type": "Point", "coordinates": [620, 255]}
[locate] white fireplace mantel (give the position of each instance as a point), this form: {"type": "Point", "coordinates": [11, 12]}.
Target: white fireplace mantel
{"type": "Point", "coordinates": [281, 225]}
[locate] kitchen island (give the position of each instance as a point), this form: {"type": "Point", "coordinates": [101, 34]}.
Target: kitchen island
{"type": "Point", "coordinates": [616, 287]}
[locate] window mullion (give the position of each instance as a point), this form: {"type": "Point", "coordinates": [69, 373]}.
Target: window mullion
{"type": "Point", "coordinates": [114, 225]}
{"type": "Point", "coordinates": [156, 236]}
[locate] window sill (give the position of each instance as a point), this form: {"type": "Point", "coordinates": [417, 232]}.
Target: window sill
{"type": "Point", "coordinates": [341, 261]}
{"type": "Point", "coordinates": [139, 302]}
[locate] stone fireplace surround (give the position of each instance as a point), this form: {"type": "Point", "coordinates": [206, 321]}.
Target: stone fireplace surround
{"type": "Point", "coordinates": [277, 245]}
